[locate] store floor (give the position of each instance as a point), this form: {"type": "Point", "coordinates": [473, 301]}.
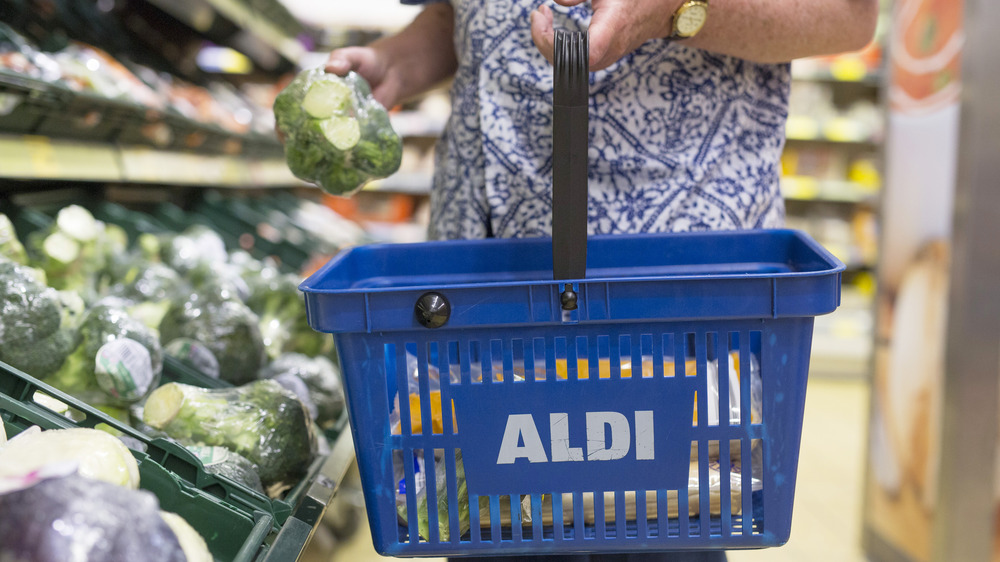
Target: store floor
{"type": "Point", "coordinates": [826, 523]}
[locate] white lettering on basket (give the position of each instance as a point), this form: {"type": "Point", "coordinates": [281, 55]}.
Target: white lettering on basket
{"type": "Point", "coordinates": [521, 439]}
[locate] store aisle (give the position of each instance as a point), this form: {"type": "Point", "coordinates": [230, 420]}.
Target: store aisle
{"type": "Point", "coordinates": [827, 518]}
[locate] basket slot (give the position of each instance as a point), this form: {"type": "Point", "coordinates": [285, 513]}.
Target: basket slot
{"type": "Point", "coordinates": [411, 490]}
{"type": "Point", "coordinates": [757, 509]}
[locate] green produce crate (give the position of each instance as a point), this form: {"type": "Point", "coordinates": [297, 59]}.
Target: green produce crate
{"type": "Point", "coordinates": [17, 387]}
{"type": "Point", "coordinates": [176, 371]}
{"type": "Point", "coordinates": [230, 534]}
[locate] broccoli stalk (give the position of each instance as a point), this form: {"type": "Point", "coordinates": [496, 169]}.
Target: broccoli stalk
{"type": "Point", "coordinates": [261, 421]}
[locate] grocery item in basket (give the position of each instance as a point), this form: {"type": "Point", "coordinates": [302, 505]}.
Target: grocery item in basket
{"type": "Point", "coordinates": [223, 462]}
{"type": "Point", "coordinates": [193, 545]}
{"type": "Point", "coordinates": [321, 378]}
{"type": "Point", "coordinates": [336, 135]}
{"type": "Point", "coordinates": [673, 510]}
{"type": "Point", "coordinates": [261, 421]}
{"type": "Point", "coordinates": [462, 498]}
{"type": "Point", "coordinates": [117, 360]}
{"type": "Point", "coordinates": [96, 454]}
{"type": "Point", "coordinates": [76, 518]}
{"type": "Point", "coordinates": [434, 397]}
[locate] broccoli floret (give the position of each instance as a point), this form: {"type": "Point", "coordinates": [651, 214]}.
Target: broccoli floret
{"type": "Point", "coordinates": [261, 421]}
{"type": "Point", "coordinates": [30, 310]}
{"type": "Point", "coordinates": [76, 250]}
{"type": "Point", "coordinates": [227, 328]}
{"type": "Point", "coordinates": [195, 246]}
{"type": "Point", "coordinates": [321, 378]}
{"type": "Point", "coordinates": [42, 357]}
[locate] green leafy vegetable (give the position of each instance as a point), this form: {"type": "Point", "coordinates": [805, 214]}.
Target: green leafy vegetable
{"type": "Point", "coordinates": [336, 135]}
{"type": "Point", "coordinates": [261, 421]}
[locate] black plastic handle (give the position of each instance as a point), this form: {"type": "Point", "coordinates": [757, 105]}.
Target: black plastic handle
{"type": "Point", "coordinates": [569, 155]}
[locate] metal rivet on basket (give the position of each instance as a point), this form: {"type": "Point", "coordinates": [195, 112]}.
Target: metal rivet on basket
{"type": "Point", "coordinates": [568, 299]}
{"type": "Point", "coordinates": [432, 310]}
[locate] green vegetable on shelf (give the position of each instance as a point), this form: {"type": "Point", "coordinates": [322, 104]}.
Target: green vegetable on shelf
{"type": "Point", "coordinates": [117, 360]}
{"type": "Point", "coordinates": [37, 333]}
{"type": "Point", "coordinates": [226, 327]}
{"type": "Point", "coordinates": [336, 135]}
{"type": "Point", "coordinates": [75, 250]}
{"type": "Point", "coordinates": [10, 247]}
{"type": "Point", "coordinates": [322, 381]}
{"type": "Point", "coordinates": [261, 421]}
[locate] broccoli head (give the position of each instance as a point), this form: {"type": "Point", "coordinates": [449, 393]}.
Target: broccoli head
{"type": "Point", "coordinates": [336, 134]}
{"type": "Point", "coordinates": [321, 378]}
{"type": "Point", "coordinates": [228, 328]}
{"type": "Point", "coordinates": [31, 311]}
{"type": "Point", "coordinates": [117, 359]}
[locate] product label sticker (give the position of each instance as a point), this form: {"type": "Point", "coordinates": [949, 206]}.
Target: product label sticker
{"type": "Point", "coordinates": [124, 369]}
{"type": "Point", "coordinates": [210, 455]}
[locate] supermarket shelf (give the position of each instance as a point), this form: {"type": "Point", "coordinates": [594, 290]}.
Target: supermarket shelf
{"type": "Point", "coordinates": [805, 188]}
{"type": "Point", "coordinates": [37, 157]}
{"type": "Point", "coordinates": [295, 535]}
{"type": "Point", "coordinates": [200, 16]}
{"type": "Point", "coordinates": [841, 130]}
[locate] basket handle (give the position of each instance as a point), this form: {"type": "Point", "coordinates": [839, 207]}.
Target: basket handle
{"type": "Point", "coordinates": [571, 93]}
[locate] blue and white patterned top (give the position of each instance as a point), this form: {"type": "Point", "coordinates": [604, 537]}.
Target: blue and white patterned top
{"type": "Point", "coordinates": [680, 139]}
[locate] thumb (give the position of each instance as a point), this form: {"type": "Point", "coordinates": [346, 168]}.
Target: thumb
{"type": "Point", "coordinates": [570, 2]}
{"type": "Point", "coordinates": [542, 33]}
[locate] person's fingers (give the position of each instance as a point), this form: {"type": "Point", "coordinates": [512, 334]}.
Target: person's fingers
{"type": "Point", "coordinates": [605, 36]}
{"type": "Point", "coordinates": [570, 2]}
{"type": "Point", "coordinates": [342, 61]}
{"type": "Point", "coordinates": [542, 32]}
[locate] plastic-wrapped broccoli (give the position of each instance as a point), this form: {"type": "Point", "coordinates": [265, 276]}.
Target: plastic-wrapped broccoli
{"type": "Point", "coordinates": [276, 299]}
{"type": "Point", "coordinates": [195, 246]}
{"type": "Point", "coordinates": [37, 331]}
{"type": "Point", "coordinates": [117, 360]}
{"type": "Point", "coordinates": [261, 421]}
{"type": "Point", "coordinates": [225, 327]}
{"type": "Point", "coordinates": [336, 135]}
{"type": "Point", "coordinates": [75, 250]}
{"type": "Point", "coordinates": [322, 381]}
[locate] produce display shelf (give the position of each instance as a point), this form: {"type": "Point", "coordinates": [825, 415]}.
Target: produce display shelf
{"type": "Point", "coordinates": [37, 157]}
{"type": "Point", "coordinates": [241, 514]}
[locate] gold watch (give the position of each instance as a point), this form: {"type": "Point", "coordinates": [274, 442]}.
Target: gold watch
{"type": "Point", "coordinates": [689, 18]}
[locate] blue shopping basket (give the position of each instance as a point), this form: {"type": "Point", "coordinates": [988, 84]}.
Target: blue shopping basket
{"type": "Point", "coordinates": [652, 402]}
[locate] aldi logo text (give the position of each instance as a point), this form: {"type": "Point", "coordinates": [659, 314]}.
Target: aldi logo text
{"type": "Point", "coordinates": [610, 436]}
